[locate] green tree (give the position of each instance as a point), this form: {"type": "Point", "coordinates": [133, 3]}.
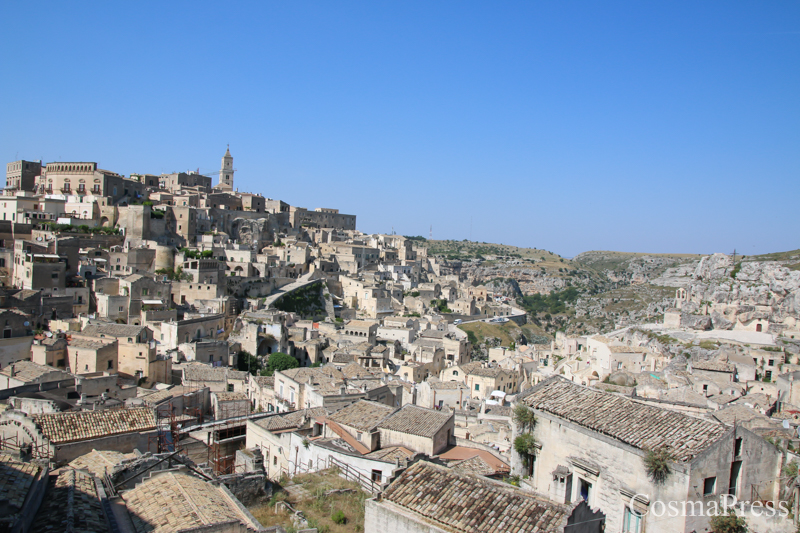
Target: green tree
{"type": "Point", "coordinates": [281, 361]}
{"type": "Point", "coordinates": [729, 523]}
{"type": "Point", "coordinates": [248, 363]}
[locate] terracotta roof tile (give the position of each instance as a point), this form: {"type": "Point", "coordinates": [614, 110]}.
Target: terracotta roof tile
{"type": "Point", "coordinates": [459, 503]}
{"type": "Point", "coordinates": [16, 479]}
{"type": "Point", "coordinates": [82, 425]}
{"type": "Point", "coordinates": [639, 425]}
{"type": "Point", "coordinates": [416, 421]}
{"type": "Point", "coordinates": [290, 420]}
{"type": "Point", "coordinates": [171, 502]}
{"type": "Point", "coordinates": [71, 504]}
{"type": "Point", "coordinates": [363, 415]}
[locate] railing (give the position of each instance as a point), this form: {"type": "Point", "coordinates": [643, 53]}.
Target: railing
{"type": "Point", "coordinates": [352, 474]}
{"type": "Point", "coordinates": [346, 471]}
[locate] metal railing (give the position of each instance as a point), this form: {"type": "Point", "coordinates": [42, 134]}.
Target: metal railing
{"type": "Point", "coordinates": [352, 474]}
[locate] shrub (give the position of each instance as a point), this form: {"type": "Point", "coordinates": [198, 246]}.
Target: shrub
{"type": "Point", "coordinates": [729, 523]}
{"type": "Point", "coordinates": [525, 445]}
{"type": "Point", "coordinates": [281, 361]}
{"type": "Point", "coordinates": [656, 463]}
{"type": "Point", "coordinates": [338, 517]}
{"type": "Point", "coordinates": [524, 417]}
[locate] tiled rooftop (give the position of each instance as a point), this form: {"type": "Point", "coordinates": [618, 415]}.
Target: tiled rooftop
{"type": "Point", "coordinates": [458, 502]}
{"type": "Point", "coordinates": [447, 385]}
{"type": "Point", "coordinates": [713, 366]}
{"type": "Point", "coordinates": [71, 504]}
{"type": "Point", "coordinates": [230, 396]}
{"type": "Point", "coordinates": [27, 371]}
{"type": "Point", "coordinates": [416, 421]}
{"type": "Point", "coordinates": [362, 415]}
{"type": "Point", "coordinates": [628, 349]}
{"type": "Point", "coordinates": [390, 454]}
{"type": "Point", "coordinates": [95, 343]}
{"type": "Point", "coordinates": [474, 465]}
{"type": "Point", "coordinates": [97, 462]}
{"type": "Point", "coordinates": [636, 424]}
{"type": "Point", "coordinates": [112, 330]}
{"type": "Point", "coordinates": [290, 420]}
{"type": "Point", "coordinates": [16, 479]}
{"type": "Point", "coordinates": [356, 371]}
{"type": "Point", "coordinates": [264, 381]}
{"type": "Point", "coordinates": [171, 502]}
{"type": "Point", "coordinates": [490, 372]}
{"type": "Point", "coordinates": [82, 425]}
{"type": "Point", "coordinates": [201, 372]}
{"type": "Point", "coordinates": [151, 400]}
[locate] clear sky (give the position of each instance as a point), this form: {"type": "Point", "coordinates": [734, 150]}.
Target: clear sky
{"type": "Point", "coordinates": [570, 126]}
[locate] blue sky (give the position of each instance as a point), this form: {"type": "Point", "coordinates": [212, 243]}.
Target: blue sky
{"type": "Point", "coordinates": [568, 126]}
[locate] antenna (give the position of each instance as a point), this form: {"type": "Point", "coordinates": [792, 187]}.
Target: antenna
{"type": "Point", "coordinates": [734, 256]}
{"type": "Point", "coordinates": [430, 235]}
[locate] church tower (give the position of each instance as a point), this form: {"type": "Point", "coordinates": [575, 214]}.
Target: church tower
{"type": "Point", "coordinates": [226, 171]}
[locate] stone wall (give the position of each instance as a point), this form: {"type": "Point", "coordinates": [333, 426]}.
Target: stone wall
{"type": "Point", "coordinates": [385, 517]}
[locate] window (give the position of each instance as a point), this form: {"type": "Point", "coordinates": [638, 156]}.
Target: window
{"type": "Point", "coordinates": [120, 309]}
{"type": "Point", "coordinates": [274, 460]}
{"type": "Point", "coordinates": [631, 521]}
{"type": "Point", "coordinates": [737, 447]}
{"type": "Point", "coordinates": [358, 435]}
{"type": "Point", "coordinates": [477, 386]}
{"type": "Point", "coordinates": [230, 386]}
{"type": "Point", "coordinates": [54, 275]}
{"type": "Point", "coordinates": [455, 372]}
{"type": "Point", "coordinates": [619, 365]}
{"type": "Point", "coordinates": [771, 362]}
{"type": "Point", "coordinates": [709, 486]}
{"type": "Point", "coordinates": [111, 364]}
{"type": "Point", "coordinates": [585, 490]}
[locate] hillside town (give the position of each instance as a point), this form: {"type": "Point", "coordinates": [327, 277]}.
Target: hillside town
{"type": "Point", "coordinates": [182, 356]}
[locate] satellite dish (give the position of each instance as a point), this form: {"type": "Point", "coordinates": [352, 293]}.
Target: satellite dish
{"type": "Point", "coordinates": [785, 424]}
{"type": "Point", "coordinates": [38, 238]}
{"type": "Point", "coordinates": [26, 323]}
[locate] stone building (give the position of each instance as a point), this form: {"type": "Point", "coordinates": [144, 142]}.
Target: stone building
{"type": "Point", "coordinates": [590, 446]}
{"type": "Point", "coordinates": [65, 436]}
{"type": "Point", "coordinates": [22, 174]}
{"type": "Point", "coordinates": [423, 430]}
{"type": "Point", "coordinates": [428, 498]}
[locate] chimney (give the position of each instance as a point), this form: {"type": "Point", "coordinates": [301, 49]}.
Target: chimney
{"type": "Point", "coordinates": [12, 370]}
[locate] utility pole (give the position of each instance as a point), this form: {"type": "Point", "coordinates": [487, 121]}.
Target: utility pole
{"type": "Point", "coordinates": [734, 256]}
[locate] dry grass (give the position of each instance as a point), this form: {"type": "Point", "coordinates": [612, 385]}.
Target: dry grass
{"type": "Point", "coordinates": [319, 508]}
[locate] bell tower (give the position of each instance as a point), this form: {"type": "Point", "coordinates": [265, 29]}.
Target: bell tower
{"type": "Point", "coordinates": [226, 171]}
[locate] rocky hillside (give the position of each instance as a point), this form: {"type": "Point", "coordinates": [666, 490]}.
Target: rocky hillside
{"type": "Point", "coordinates": [747, 290]}
{"type": "Point", "coordinates": [599, 291]}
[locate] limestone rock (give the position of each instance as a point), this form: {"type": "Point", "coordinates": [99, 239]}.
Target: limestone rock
{"type": "Point", "coordinates": [696, 322]}
{"type": "Point", "coordinates": [720, 322]}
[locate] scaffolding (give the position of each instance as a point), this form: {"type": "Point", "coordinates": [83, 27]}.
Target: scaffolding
{"type": "Point", "coordinates": [222, 438]}
{"type": "Point", "coordinates": [33, 449]}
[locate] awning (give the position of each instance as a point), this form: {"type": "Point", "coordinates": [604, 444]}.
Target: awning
{"type": "Point", "coordinates": [152, 302]}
